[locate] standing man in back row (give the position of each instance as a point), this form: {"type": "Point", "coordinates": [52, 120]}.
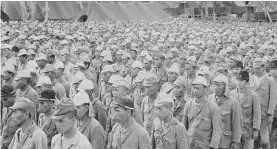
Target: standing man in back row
{"type": "Point", "coordinates": [202, 118]}
{"type": "Point", "coordinates": [265, 87]}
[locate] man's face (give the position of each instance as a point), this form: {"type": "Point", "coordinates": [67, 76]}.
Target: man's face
{"type": "Point", "coordinates": [21, 83]}
{"type": "Point", "coordinates": [179, 90]}
{"type": "Point", "coordinates": [134, 71]}
{"type": "Point", "coordinates": [7, 75]}
{"type": "Point", "coordinates": [50, 59]}
{"type": "Point", "coordinates": [49, 74]}
{"type": "Point", "coordinates": [270, 51]}
{"type": "Point", "coordinates": [151, 90]}
{"type": "Point", "coordinates": [236, 70]}
{"type": "Point", "coordinates": [19, 116]}
{"type": "Point", "coordinates": [190, 70]}
{"type": "Point", "coordinates": [59, 72]}
{"type": "Point", "coordinates": [82, 110]}
{"type": "Point", "coordinates": [219, 88]}
{"type": "Point", "coordinates": [41, 63]}
{"type": "Point", "coordinates": [199, 90]}
{"type": "Point", "coordinates": [119, 91]}
{"type": "Point", "coordinates": [120, 114]}
{"type": "Point", "coordinates": [273, 71]}
{"type": "Point", "coordinates": [147, 65]}
{"type": "Point", "coordinates": [246, 59]}
{"type": "Point", "coordinates": [21, 59]}
{"type": "Point", "coordinates": [106, 76]}
{"type": "Point", "coordinates": [65, 124]}
{"type": "Point", "coordinates": [118, 57]}
{"type": "Point", "coordinates": [241, 84]}
{"type": "Point", "coordinates": [133, 54]}
{"type": "Point", "coordinates": [258, 70]}
{"type": "Point", "coordinates": [9, 100]}
{"type": "Point", "coordinates": [31, 57]}
{"type": "Point", "coordinates": [172, 76]}
{"type": "Point", "coordinates": [97, 53]}
{"type": "Point", "coordinates": [162, 112]}
{"type": "Point", "coordinates": [44, 106]}
{"type": "Point", "coordinates": [158, 62]}
{"type": "Point", "coordinates": [124, 61]}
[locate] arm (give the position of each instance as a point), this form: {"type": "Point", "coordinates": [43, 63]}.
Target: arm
{"type": "Point", "coordinates": [272, 96]}
{"type": "Point", "coordinates": [101, 115]}
{"type": "Point", "coordinates": [185, 117]}
{"type": "Point", "coordinates": [40, 140]}
{"type": "Point", "coordinates": [144, 142]}
{"type": "Point", "coordinates": [256, 112]}
{"type": "Point", "coordinates": [236, 122]}
{"type": "Point", "coordinates": [217, 127]}
{"type": "Point", "coordinates": [182, 138]}
{"type": "Point", "coordinates": [97, 138]}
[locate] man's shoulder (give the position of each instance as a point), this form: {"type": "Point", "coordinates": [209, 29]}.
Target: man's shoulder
{"type": "Point", "coordinates": [140, 131]}
{"type": "Point", "coordinates": [38, 133]}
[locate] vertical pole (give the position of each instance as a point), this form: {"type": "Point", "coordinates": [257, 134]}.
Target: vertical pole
{"type": "Point", "coordinates": [46, 11]}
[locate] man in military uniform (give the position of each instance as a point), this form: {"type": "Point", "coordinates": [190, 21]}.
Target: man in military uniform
{"type": "Point", "coordinates": [265, 87]}
{"type": "Point", "coordinates": [168, 132]}
{"type": "Point", "coordinates": [28, 135]}
{"type": "Point", "coordinates": [22, 56]}
{"type": "Point", "coordinates": [273, 134]}
{"type": "Point", "coordinates": [46, 109]}
{"type": "Point", "coordinates": [150, 84]}
{"type": "Point", "coordinates": [159, 69]}
{"type": "Point", "coordinates": [179, 98]}
{"type": "Point", "coordinates": [65, 119]}
{"type": "Point", "coordinates": [104, 87]}
{"type": "Point", "coordinates": [127, 133]}
{"type": "Point", "coordinates": [87, 124]}
{"type": "Point", "coordinates": [8, 124]}
{"type": "Point", "coordinates": [100, 113]}
{"type": "Point", "coordinates": [168, 87]}
{"type": "Point", "coordinates": [9, 74]}
{"type": "Point", "coordinates": [25, 90]}
{"type": "Point", "coordinates": [202, 118]}
{"type": "Point", "coordinates": [230, 113]}
{"type": "Point", "coordinates": [59, 89]}
{"type": "Point", "coordinates": [190, 76]}
{"type": "Point", "coordinates": [250, 109]}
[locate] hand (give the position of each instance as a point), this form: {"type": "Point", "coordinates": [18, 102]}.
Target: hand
{"type": "Point", "coordinates": [269, 119]}
{"type": "Point", "coordinates": [255, 134]}
{"type": "Point", "coordinates": [235, 145]}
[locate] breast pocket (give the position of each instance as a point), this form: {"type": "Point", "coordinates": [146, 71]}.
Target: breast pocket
{"type": "Point", "coordinates": [224, 116]}
{"type": "Point", "coordinates": [169, 142]}
{"type": "Point", "coordinates": [246, 110]}
{"type": "Point", "coordinates": [205, 123]}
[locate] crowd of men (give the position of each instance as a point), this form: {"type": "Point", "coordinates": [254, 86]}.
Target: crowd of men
{"type": "Point", "coordinates": [176, 84]}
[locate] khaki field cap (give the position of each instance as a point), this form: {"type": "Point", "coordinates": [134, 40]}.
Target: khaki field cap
{"type": "Point", "coordinates": [162, 99]}
{"type": "Point", "coordinates": [199, 80]}
{"type": "Point", "coordinates": [25, 104]}
{"type": "Point", "coordinates": [64, 106]}
{"type": "Point", "coordinates": [150, 79]}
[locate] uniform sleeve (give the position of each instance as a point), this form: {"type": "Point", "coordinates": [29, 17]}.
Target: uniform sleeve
{"type": "Point", "coordinates": [97, 140]}
{"type": "Point", "coordinates": [185, 117]}
{"type": "Point", "coordinates": [182, 138]}
{"type": "Point", "coordinates": [138, 115]}
{"type": "Point", "coordinates": [217, 127]}
{"type": "Point", "coordinates": [272, 96]}
{"type": "Point", "coordinates": [256, 112]}
{"type": "Point", "coordinates": [144, 142]}
{"type": "Point", "coordinates": [40, 140]}
{"type": "Point", "coordinates": [236, 122]}
{"type": "Point", "coordinates": [61, 93]}
{"type": "Point", "coordinates": [101, 115]}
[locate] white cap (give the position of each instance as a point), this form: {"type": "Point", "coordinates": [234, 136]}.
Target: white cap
{"type": "Point", "coordinates": [9, 68]}
{"type": "Point", "coordinates": [137, 64]}
{"type": "Point", "coordinates": [199, 80]}
{"type": "Point", "coordinates": [42, 57]}
{"type": "Point", "coordinates": [79, 76]}
{"type": "Point", "coordinates": [174, 68]}
{"type": "Point", "coordinates": [81, 98]}
{"type": "Point", "coordinates": [221, 78]}
{"type": "Point", "coordinates": [30, 52]}
{"type": "Point", "coordinates": [141, 76]}
{"type": "Point", "coordinates": [143, 53]}
{"type": "Point", "coordinates": [162, 99]}
{"type": "Point", "coordinates": [80, 64]}
{"type": "Point", "coordinates": [43, 80]}
{"type": "Point", "coordinates": [22, 52]}
{"type": "Point", "coordinates": [107, 68]}
{"type": "Point", "coordinates": [59, 65]}
{"type": "Point", "coordinates": [86, 84]}
{"type": "Point", "coordinates": [22, 74]}
{"type": "Point", "coordinates": [121, 82]}
{"type": "Point", "coordinates": [114, 78]}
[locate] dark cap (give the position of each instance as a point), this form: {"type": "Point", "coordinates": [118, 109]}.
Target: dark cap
{"type": "Point", "coordinates": [238, 64]}
{"type": "Point", "coordinates": [47, 95]}
{"type": "Point", "coordinates": [273, 64]}
{"type": "Point", "coordinates": [125, 102]}
{"type": "Point", "coordinates": [243, 75]}
{"type": "Point", "coordinates": [64, 106]}
{"type": "Point", "coordinates": [7, 90]}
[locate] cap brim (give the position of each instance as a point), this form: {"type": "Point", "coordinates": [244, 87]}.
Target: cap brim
{"type": "Point", "coordinates": [57, 117]}
{"type": "Point", "coordinates": [44, 99]}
